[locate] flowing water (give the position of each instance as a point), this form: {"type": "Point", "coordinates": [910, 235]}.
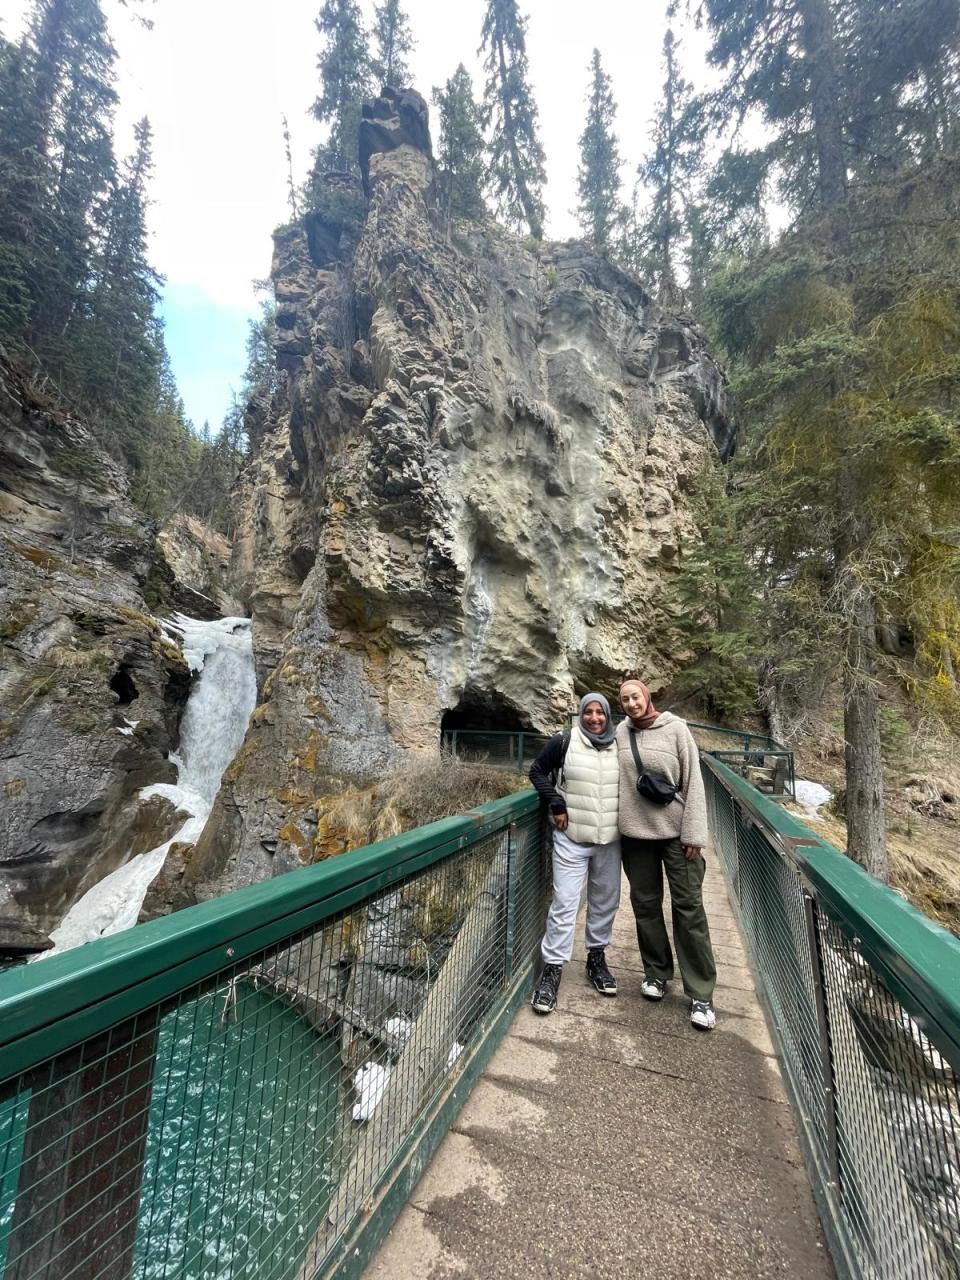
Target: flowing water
{"type": "Point", "coordinates": [214, 723]}
{"type": "Point", "coordinates": [239, 1148]}
{"type": "Point", "coordinates": [244, 1103]}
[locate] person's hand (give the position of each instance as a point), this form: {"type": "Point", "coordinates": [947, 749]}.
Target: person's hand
{"type": "Point", "coordinates": [560, 820]}
{"type": "Point", "coordinates": [692, 851]}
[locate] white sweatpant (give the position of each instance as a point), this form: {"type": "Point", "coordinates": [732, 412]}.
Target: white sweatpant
{"type": "Point", "coordinates": [599, 865]}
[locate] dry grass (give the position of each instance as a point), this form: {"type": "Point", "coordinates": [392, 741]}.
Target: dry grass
{"type": "Point", "coordinates": [414, 793]}
{"type": "Point", "coordinates": [924, 859]}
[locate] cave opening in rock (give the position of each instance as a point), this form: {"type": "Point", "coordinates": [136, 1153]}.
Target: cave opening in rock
{"type": "Point", "coordinates": [122, 684]}
{"type": "Point", "coordinates": [480, 709]}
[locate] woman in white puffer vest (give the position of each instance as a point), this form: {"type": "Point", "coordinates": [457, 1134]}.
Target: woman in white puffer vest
{"type": "Point", "coordinates": [578, 775]}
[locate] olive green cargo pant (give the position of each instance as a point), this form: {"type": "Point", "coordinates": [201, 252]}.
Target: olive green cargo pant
{"type": "Point", "coordinates": [645, 861]}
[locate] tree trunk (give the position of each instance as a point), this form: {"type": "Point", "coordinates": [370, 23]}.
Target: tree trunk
{"type": "Point", "coordinates": [821, 55]}
{"type": "Point", "coordinates": [770, 700]}
{"type": "Point", "coordinates": [866, 827]}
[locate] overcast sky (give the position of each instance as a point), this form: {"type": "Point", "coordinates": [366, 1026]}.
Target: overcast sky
{"type": "Point", "coordinates": [215, 78]}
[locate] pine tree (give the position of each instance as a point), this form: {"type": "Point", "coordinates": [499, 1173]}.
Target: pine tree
{"type": "Point", "coordinates": [669, 172]}
{"type": "Point", "coordinates": [782, 58]}
{"type": "Point", "coordinates": [716, 599]}
{"type": "Point", "coordinates": [460, 150]}
{"type": "Point", "coordinates": [598, 178]}
{"type": "Point", "coordinates": [82, 150]}
{"type": "Point", "coordinates": [849, 88]}
{"type": "Point", "coordinates": [23, 182]}
{"type": "Point", "coordinates": [844, 368]}
{"type": "Point", "coordinates": [77, 292]}
{"type": "Point", "coordinates": [288, 156]}
{"type": "Point", "coordinates": [517, 173]}
{"type": "Point", "coordinates": [56, 168]}
{"type": "Point", "coordinates": [840, 339]}
{"type": "Point", "coordinates": [394, 44]}
{"type": "Point", "coordinates": [345, 78]}
{"type": "Point", "coordinates": [121, 347]}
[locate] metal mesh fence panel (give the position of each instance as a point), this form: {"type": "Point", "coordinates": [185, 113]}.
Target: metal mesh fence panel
{"type": "Point", "coordinates": [873, 1076]}
{"type": "Point", "coordinates": [241, 1127]}
{"type": "Point", "coordinates": [514, 750]}
{"type": "Point", "coordinates": [898, 1123]}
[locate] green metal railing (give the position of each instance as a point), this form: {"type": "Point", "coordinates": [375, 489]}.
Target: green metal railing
{"type": "Point", "coordinates": [748, 741]}
{"type": "Point", "coordinates": [863, 998]}
{"type": "Point", "coordinates": [771, 770]}
{"type": "Point", "coordinates": [763, 761]}
{"type": "Point", "coordinates": [251, 1088]}
{"type": "Point", "coordinates": [515, 748]}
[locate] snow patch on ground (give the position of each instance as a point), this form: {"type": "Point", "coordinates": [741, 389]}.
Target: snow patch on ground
{"type": "Point", "coordinates": [812, 797]}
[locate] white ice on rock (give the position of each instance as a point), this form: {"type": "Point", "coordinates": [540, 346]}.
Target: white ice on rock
{"type": "Point", "coordinates": [370, 1083]}
{"type": "Point", "coordinates": [399, 1028]}
{"type": "Point", "coordinates": [812, 796]}
{"type": "Point", "coordinates": [211, 733]}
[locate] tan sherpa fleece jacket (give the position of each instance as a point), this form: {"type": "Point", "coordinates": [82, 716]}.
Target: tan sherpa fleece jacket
{"type": "Point", "coordinates": [667, 748]}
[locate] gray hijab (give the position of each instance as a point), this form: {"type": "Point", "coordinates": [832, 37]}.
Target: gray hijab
{"type": "Point", "coordinates": [609, 733]}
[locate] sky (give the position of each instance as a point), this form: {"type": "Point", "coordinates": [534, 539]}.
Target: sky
{"type": "Point", "coordinates": [215, 77]}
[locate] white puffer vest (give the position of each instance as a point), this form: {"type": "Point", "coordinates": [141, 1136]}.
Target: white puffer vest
{"type": "Point", "coordinates": [590, 785]}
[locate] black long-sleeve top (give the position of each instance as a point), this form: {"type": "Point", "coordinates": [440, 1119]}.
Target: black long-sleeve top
{"type": "Point", "coordinates": [546, 768]}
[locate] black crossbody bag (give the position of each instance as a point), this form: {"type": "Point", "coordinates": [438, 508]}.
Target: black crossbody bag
{"type": "Point", "coordinates": [652, 786]}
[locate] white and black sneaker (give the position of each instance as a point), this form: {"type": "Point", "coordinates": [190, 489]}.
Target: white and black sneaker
{"type": "Point", "coordinates": [653, 988]}
{"type": "Point", "coordinates": [544, 999]}
{"type": "Point", "coordinates": [598, 973]}
{"type": "Point", "coordinates": [702, 1015]}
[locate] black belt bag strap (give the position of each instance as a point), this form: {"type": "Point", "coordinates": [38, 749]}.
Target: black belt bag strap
{"type": "Point", "coordinates": [652, 786]}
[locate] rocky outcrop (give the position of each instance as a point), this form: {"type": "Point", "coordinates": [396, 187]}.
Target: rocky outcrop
{"type": "Point", "coordinates": [193, 560]}
{"type": "Point", "coordinates": [471, 493]}
{"type": "Point", "coordinates": [90, 691]}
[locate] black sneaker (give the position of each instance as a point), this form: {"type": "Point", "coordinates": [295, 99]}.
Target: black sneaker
{"type": "Point", "coordinates": [545, 992]}
{"type": "Point", "coordinates": [598, 973]}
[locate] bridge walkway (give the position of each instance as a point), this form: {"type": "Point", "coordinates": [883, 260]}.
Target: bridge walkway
{"type": "Point", "coordinates": [611, 1139]}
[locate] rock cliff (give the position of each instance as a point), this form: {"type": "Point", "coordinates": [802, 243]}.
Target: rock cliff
{"type": "Point", "coordinates": [91, 692]}
{"type": "Point", "coordinates": [465, 504]}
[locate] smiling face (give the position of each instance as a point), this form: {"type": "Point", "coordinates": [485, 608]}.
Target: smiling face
{"type": "Point", "coordinates": [594, 718]}
{"type": "Point", "coordinates": [634, 699]}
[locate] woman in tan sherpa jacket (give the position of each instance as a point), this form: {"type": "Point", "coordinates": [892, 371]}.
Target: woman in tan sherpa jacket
{"type": "Point", "coordinates": [665, 837]}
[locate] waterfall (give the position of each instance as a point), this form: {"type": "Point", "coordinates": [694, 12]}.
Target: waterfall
{"type": "Point", "coordinates": [213, 727]}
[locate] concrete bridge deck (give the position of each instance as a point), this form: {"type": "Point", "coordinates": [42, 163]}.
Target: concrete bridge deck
{"type": "Point", "coordinates": [610, 1139]}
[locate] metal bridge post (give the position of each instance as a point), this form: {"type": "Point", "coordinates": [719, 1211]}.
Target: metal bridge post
{"type": "Point", "coordinates": [513, 862]}
{"type": "Point", "coordinates": [823, 1035]}
{"type": "Point", "coordinates": [520, 755]}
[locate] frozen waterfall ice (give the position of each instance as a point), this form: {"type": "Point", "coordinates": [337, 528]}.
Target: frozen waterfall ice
{"type": "Point", "coordinates": [211, 732]}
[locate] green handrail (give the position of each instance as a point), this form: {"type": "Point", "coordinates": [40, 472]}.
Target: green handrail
{"type": "Point", "coordinates": [918, 959]}
{"type": "Point", "coordinates": [59, 1001]}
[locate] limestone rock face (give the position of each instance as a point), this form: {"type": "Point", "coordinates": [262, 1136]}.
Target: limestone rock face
{"type": "Point", "coordinates": [467, 503]}
{"type": "Point", "coordinates": [90, 693]}
{"type": "Point", "coordinates": [197, 558]}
